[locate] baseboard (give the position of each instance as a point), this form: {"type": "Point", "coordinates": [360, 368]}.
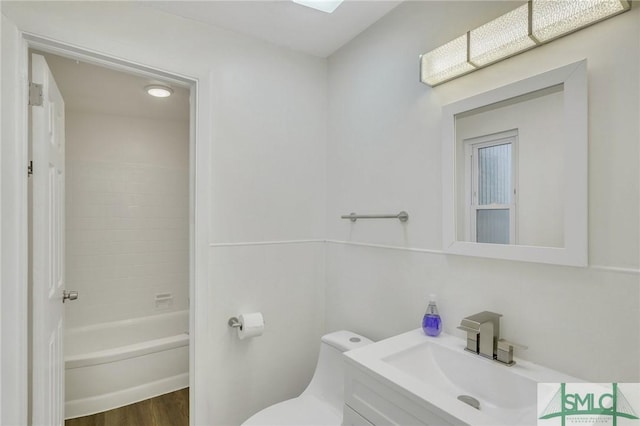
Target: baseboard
{"type": "Point", "coordinates": [109, 401]}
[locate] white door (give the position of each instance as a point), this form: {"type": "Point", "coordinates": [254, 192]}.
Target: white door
{"type": "Point", "coordinates": [48, 248]}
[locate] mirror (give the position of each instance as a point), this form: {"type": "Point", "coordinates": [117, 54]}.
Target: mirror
{"type": "Point", "coordinates": [515, 170]}
{"type": "Point", "coordinates": [509, 162]}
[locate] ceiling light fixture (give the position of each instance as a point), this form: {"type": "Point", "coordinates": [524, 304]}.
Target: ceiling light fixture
{"type": "Point", "coordinates": [327, 6]}
{"type": "Point", "coordinates": [528, 26]}
{"type": "Point", "coordinates": [159, 91]}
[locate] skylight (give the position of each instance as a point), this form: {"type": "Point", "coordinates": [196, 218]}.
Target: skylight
{"type": "Point", "coordinates": [327, 6]}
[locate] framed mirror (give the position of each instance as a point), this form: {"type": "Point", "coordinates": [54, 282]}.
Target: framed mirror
{"type": "Point", "coordinates": [514, 164]}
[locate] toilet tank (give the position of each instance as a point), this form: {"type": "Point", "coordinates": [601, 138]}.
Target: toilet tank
{"type": "Point", "coordinates": [328, 380]}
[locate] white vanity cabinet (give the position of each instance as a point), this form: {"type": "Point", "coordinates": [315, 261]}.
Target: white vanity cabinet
{"type": "Point", "coordinates": [370, 401]}
{"type": "Point", "coordinates": [351, 418]}
{"type": "Point", "coordinates": [415, 380]}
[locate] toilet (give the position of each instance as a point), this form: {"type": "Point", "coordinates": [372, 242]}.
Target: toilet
{"type": "Point", "coordinates": [322, 401]}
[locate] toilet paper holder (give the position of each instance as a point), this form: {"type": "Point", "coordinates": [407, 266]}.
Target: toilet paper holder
{"type": "Point", "coordinates": [234, 322]}
{"type": "Point", "coordinates": [247, 325]}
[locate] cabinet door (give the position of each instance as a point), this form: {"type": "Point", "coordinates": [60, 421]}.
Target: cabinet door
{"type": "Point", "coordinates": [383, 405]}
{"type": "Point", "coordinates": [351, 418]}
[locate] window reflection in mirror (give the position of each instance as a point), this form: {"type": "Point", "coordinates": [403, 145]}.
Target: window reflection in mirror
{"type": "Point", "coordinates": [509, 171]}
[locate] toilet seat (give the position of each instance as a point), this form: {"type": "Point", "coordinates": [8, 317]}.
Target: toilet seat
{"type": "Point", "coordinates": [306, 410]}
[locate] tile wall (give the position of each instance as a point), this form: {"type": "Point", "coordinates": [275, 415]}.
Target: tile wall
{"type": "Point", "coordinates": [127, 217]}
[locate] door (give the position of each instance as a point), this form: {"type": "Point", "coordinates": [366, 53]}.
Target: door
{"type": "Point", "coordinates": [47, 129]}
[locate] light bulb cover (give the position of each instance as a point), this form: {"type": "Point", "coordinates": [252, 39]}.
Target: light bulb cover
{"type": "Point", "coordinates": [446, 62]}
{"type": "Point", "coordinates": [551, 19]}
{"type": "Point", "coordinates": [159, 91]}
{"type": "Point", "coordinates": [503, 37]}
{"type": "Point", "coordinates": [528, 26]}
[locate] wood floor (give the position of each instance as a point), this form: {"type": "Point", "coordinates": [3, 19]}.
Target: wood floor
{"type": "Point", "coordinates": [171, 409]}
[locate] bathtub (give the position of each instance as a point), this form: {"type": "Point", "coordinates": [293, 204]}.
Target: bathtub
{"type": "Point", "coordinates": [118, 363]}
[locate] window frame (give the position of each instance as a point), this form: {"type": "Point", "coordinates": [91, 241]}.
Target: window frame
{"type": "Point", "coordinates": [471, 147]}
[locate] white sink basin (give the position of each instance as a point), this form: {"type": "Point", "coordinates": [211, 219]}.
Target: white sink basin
{"type": "Point", "coordinates": [436, 370]}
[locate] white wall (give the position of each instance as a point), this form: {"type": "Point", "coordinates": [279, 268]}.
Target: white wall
{"type": "Point", "coordinates": [384, 155]}
{"type": "Point", "coordinates": [260, 178]}
{"type": "Point", "coordinates": [127, 216]}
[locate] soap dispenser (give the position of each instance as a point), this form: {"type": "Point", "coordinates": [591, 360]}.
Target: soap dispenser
{"type": "Point", "coordinates": [431, 322]}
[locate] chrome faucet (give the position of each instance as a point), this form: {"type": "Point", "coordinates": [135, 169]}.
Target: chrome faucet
{"type": "Point", "coordinates": [483, 337]}
{"type": "Point", "coordinates": [483, 332]}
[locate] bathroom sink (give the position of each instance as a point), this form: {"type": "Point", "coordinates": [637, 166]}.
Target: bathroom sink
{"type": "Point", "coordinates": [435, 372]}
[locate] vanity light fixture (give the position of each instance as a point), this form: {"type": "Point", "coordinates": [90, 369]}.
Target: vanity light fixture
{"type": "Point", "coordinates": [159, 91]}
{"type": "Point", "coordinates": [327, 6]}
{"type": "Point", "coordinates": [530, 25]}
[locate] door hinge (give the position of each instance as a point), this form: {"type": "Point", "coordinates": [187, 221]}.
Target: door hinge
{"type": "Point", "coordinates": [35, 94]}
{"type": "Point", "coordinates": [30, 168]}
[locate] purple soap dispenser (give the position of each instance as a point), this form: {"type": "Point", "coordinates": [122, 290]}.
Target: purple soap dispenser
{"type": "Point", "coordinates": [431, 322]}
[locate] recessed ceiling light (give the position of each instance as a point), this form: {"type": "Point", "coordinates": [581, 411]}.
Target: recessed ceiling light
{"type": "Point", "coordinates": [159, 91]}
{"type": "Point", "coordinates": [327, 6]}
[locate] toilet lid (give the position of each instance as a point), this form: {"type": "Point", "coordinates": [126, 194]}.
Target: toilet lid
{"type": "Point", "coordinates": [305, 410]}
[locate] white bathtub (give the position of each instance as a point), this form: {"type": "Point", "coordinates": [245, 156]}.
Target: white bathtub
{"type": "Point", "coordinates": [115, 364]}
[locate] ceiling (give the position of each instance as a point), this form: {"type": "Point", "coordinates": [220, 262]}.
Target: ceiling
{"type": "Point", "coordinates": [283, 22]}
{"type": "Point", "coordinates": [90, 88]}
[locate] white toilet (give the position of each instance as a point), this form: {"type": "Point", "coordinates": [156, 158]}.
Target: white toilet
{"type": "Point", "coordinates": [321, 403]}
